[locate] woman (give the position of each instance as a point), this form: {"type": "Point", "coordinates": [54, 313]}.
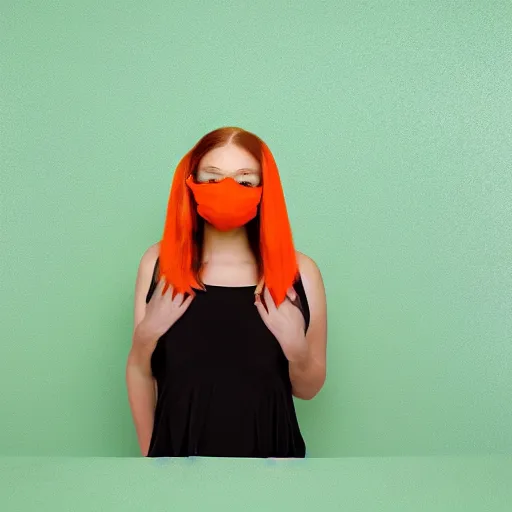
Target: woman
{"type": "Point", "coordinates": [229, 321]}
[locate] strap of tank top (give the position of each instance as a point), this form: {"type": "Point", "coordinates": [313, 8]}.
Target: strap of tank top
{"type": "Point", "coordinates": [153, 283]}
{"type": "Point", "coordinates": [302, 301]}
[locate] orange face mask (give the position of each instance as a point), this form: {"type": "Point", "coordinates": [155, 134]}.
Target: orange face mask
{"type": "Point", "coordinates": [227, 204]}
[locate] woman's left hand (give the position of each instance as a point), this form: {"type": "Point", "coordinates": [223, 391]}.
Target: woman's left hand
{"type": "Point", "coordinates": [286, 323]}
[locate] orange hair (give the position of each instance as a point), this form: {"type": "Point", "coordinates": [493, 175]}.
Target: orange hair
{"type": "Point", "coordinates": [178, 252]}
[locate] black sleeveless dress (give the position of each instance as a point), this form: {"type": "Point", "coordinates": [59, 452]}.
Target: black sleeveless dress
{"type": "Point", "coordinates": [223, 383]}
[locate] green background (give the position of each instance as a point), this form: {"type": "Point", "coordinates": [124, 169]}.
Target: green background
{"type": "Point", "coordinates": [390, 123]}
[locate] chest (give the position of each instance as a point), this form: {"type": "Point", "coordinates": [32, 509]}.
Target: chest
{"type": "Point", "coordinates": [221, 330]}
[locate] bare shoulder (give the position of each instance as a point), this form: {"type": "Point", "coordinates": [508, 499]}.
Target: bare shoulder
{"type": "Point", "coordinates": [312, 280]}
{"type": "Point", "coordinates": [148, 260]}
{"type": "Point", "coordinates": [147, 266]}
{"type": "Point", "coordinates": [308, 269]}
{"type": "Point", "coordinates": [143, 281]}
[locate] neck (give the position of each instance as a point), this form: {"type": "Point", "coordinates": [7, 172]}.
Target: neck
{"type": "Point", "coordinates": [226, 246]}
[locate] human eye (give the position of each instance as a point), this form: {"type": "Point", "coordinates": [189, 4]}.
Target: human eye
{"type": "Point", "coordinates": [207, 177]}
{"type": "Point", "coordinates": [249, 179]}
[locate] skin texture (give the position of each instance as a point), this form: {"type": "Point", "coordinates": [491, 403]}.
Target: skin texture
{"type": "Point", "coordinates": [227, 261]}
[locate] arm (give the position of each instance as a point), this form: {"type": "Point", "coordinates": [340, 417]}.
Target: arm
{"type": "Point", "coordinates": [140, 383]}
{"type": "Point", "coordinates": [308, 374]}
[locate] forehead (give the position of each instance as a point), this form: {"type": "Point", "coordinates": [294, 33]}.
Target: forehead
{"type": "Point", "coordinates": [229, 158]}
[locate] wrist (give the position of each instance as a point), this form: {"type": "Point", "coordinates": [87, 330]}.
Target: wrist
{"type": "Point", "coordinates": [143, 345]}
{"type": "Point", "coordinates": [301, 357]}
{"type": "Point", "coordinates": [145, 335]}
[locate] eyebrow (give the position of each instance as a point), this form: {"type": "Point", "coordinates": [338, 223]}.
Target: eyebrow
{"type": "Point", "coordinates": [257, 171]}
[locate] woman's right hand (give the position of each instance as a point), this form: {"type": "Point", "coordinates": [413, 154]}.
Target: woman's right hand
{"type": "Point", "coordinates": [162, 312]}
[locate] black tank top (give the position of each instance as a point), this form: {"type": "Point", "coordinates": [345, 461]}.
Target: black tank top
{"type": "Point", "coordinates": [223, 383]}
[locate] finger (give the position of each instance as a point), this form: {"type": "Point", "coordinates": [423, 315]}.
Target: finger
{"type": "Point", "coordinates": [259, 287]}
{"type": "Point", "coordinates": [178, 299]}
{"type": "Point", "coordinates": [261, 309]}
{"type": "Point", "coordinates": [169, 292]}
{"type": "Point", "coordinates": [186, 302]}
{"type": "Point", "coordinates": [291, 293]}
{"type": "Point", "coordinates": [269, 301]}
{"type": "Point", "coordinates": [160, 285]}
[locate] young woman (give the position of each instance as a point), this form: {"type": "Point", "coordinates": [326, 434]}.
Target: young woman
{"type": "Point", "coordinates": [229, 321]}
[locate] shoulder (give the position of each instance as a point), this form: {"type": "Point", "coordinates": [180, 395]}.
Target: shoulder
{"type": "Point", "coordinates": [151, 253]}
{"type": "Point", "coordinates": [148, 259]}
{"type": "Point", "coordinates": [308, 269]}
{"type": "Point", "coordinates": [311, 279]}
{"type": "Point", "coordinates": [144, 279]}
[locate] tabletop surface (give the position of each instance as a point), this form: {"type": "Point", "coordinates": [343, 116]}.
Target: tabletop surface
{"type": "Point", "coordinates": [413, 484]}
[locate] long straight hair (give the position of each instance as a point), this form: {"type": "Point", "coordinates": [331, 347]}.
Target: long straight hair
{"type": "Point", "coordinates": [269, 233]}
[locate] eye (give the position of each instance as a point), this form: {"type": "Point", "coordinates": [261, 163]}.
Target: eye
{"type": "Point", "coordinates": [248, 179]}
{"type": "Point", "coordinates": [203, 176]}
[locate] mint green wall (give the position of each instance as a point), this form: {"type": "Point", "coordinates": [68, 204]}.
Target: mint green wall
{"type": "Point", "coordinates": [391, 124]}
